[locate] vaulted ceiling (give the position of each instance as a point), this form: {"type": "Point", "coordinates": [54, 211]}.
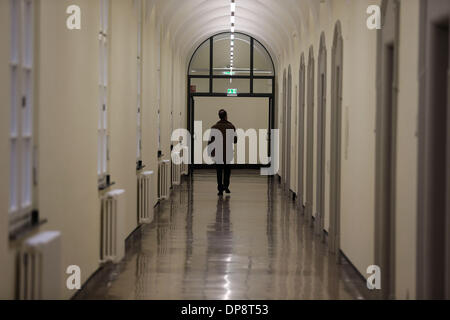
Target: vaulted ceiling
{"type": "Point", "coordinates": [272, 22]}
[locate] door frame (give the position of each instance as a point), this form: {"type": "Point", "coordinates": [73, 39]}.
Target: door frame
{"type": "Point", "coordinates": [386, 148]}
{"type": "Point", "coordinates": [191, 120]}
{"type": "Point", "coordinates": [321, 136]}
{"type": "Point", "coordinates": [336, 139]}
{"type": "Point", "coordinates": [301, 132]}
{"type": "Point", "coordinates": [429, 284]}
{"type": "Point", "coordinates": [288, 125]}
{"type": "Point", "coordinates": [310, 136]}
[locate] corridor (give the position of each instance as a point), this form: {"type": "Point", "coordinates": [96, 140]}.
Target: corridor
{"type": "Point", "coordinates": [332, 115]}
{"type": "Point", "coordinates": [251, 245]}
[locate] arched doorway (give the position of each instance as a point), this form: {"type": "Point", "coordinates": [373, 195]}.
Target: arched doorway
{"type": "Point", "coordinates": [335, 139]}
{"type": "Point", "coordinates": [284, 127]}
{"type": "Point", "coordinates": [433, 223]}
{"type": "Point", "coordinates": [310, 137]}
{"type": "Point", "coordinates": [288, 125]}
{"type": "Point", "coordinates": [386, 131]}
{"type": "Point", "coordinates": [321, 122]}
{"type": "Point", "coordinates": [231, 66]}
{"type": "Point", "coordinates": [301, 132]}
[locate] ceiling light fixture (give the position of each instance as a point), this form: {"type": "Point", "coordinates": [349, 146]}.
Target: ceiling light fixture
{"type": "Point", "coordinates": [232, 18]}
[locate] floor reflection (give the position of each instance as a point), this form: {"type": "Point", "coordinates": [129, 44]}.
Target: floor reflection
{"type": "Point", "coordinates": [253, 244]}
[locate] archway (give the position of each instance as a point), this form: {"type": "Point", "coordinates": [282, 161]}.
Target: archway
{"type": "Point", "coordinates": [321, 122]}
{"type": "Point", "coordinates": [335, 139]}
{"type": "Point", "coordinates": [310, 137]}
{"type": "Point", "coordinates": [301, 132]}
{"type": "Point", "coordinates": [232, 66]}
{"type": "Point", "coordinates": [433, 223]}
{"type": "Point", "coordinates": [288, 125]}
{"type": "Point", "coordinates": [284, 128]}
{"type": "Point", "coordinates": [386, 128]}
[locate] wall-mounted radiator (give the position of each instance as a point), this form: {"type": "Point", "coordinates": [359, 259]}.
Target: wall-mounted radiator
{"type": "Point", "coordinates": [145, 204]}
{"type": "Point", "coordinates": [176, 171]}
{"type": "Point", "coordinates": [163, 179]}
{"type": "Point", "coordinates": [39, 267]}
{"type": "Point", "coordinates": [112, 245]}
{"type": "Point", "coordinates": [184, 166]}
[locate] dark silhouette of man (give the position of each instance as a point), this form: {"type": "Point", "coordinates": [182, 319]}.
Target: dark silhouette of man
{"type": "Point", "coordinates": [223, 168]}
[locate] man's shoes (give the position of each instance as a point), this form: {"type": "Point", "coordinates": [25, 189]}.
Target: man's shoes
{"type": "Point", "coordinates": [220, 194]}
{"type": "Point", "coordinates": [227, 191]}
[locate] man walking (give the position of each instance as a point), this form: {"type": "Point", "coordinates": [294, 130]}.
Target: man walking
{"type": "Point", "coordinates": [228, 131]}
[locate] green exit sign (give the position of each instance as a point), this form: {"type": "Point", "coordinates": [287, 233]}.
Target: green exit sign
{"type": "Point", "coordinates": [232, 92]}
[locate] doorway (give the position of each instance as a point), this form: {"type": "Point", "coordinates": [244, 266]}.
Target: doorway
{"type": "Point", "coordinates": [246, 113]}
{"type": "Point", "coordinates": [301, 133]}
{"type": "Point", "coordinates": [288, 125]}
{"type": "Point", "coordinates": [321, 122]}
{"type": "Point", "coordinates": [386, 129]}
{"type": "Point", "coordinates": [284, 124]}
{"type": "Point", "coordinates": [433, 252]}
{"type": "Point", "coordinates": [335, 140]}
{"type": "Point", "coordinates": [247, 72]}
{"type": "Point", "coordinates": [310, 138]}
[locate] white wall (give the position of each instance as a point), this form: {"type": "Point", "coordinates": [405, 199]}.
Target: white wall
{"type": "Point", "coordinates": [66, 109]}
{"type": "Point", "coordinates": [358, 129]}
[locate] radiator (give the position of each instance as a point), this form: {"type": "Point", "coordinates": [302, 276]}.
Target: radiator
{"type": "Point", "coordinates": [112, 246]}
{"type": "Point", "coordinates": [176, 171]}
{"type": "Point", "coordinates": [39, 267]}
{"type": "Point", "coordinates": [163, 179]}
{"type": "Point", "coordinates": [184, 166]}
{"type": "Point", "coordinates": [145, 204]}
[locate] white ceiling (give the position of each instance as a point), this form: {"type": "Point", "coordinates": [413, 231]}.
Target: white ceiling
{"type": "Point", "coordinates": [272, 22]}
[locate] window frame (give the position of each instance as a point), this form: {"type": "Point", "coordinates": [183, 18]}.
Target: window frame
{"type": "Point", "coordinates": [22, 179]}
{"type": "Point", "coordinates": [139, 82]}
{"type": "Point", "coordinates": [212, 76]}
{"type": "Point", "coordinates": [102, 130]}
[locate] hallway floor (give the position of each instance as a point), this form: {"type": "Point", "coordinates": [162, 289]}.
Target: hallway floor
{"type": "Point", "coordinates": [253, 245]}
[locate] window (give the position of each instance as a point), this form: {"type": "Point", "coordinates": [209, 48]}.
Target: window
{"type": "Point", "coordinates": [21, 122]}
{"type": "Point", "coordinates": [240, 50]}
{"type": "Point", "coordinates": [222, 85]}
{"type": "Point", "coordinates": [200, 61]}
{"type": "Point", "coordinates": [102, 164]}
{"type": "Point", "coordinates": [158, 84]}
{"type": "Point", "coordinates": [231, 61]}
{"type": "Point", "coordinates": [263, 65]}
{"type": "Point", "coordinates": [262, 85]}
{"type": "Point", "coordinates": [139, 82]}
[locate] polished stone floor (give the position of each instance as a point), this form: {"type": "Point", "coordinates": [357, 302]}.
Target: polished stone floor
{"type": "Point", "coordinates": [253, 244]}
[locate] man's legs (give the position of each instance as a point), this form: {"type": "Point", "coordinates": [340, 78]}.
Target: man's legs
{"type": "Point", "coordinates": [227, 175]}
{"type": "Point", "coordinates": [219, 169]}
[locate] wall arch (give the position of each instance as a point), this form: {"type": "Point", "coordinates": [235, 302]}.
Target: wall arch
{"type": "Point", "coordinates": [335, 138]}
{"type": "Point", "coordinates": [301, 132]}
{"type": "Point", "coordinates": [310, 136]}
{"type": "Point", "coordinates": [386, 132]}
